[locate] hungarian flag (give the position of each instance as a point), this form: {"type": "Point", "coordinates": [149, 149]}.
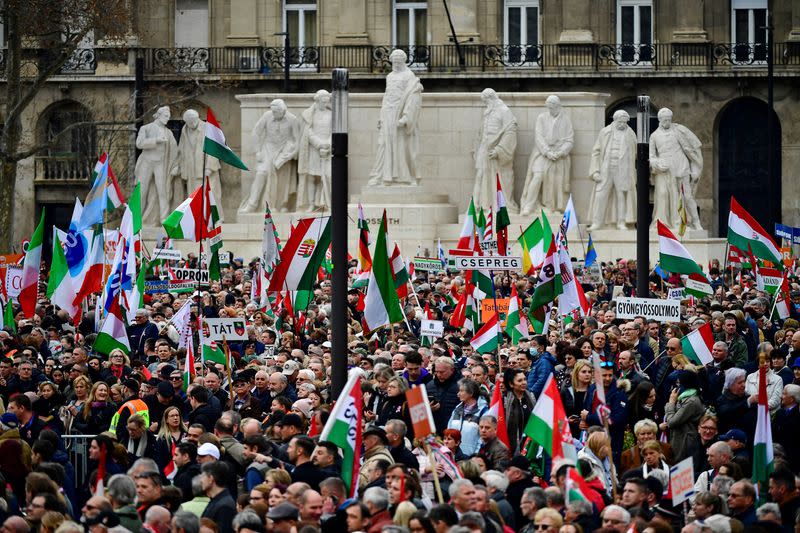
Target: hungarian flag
{"type": "Point", "coordinates": [498, 410]}
{"type": "Point", "coordinates": [548, 287]}
{"type": "Point", "coordinates": [548, 425]}
{"type": "Point", "coordinates": [382, 305]}
{"type": "Point", "coordinates": [459, 316]}
{"type": "Point", "coordinates": [466, 241]}
{"type": "Point", "coordinates": [215, 145]}
{"type": "Point", "coordinates": [503, 222]}
{"type": "Point", "coordinates": [212, 352]}
{"type": "Point", "coordinates": [302, 256]}
{"type": "Point", "coordinates": [744, 231]}
{"type": "Point", "coordinates": [673, 256]}
{"type": "Point", "coordinates": [782, 305]}
{"type": "Point", "coordinates": [697, 345]}
{"type": "Point", "coordinates": [364, 257]}
{"type": "Point", "coordinates": [762, 443]}
{"type": "Point", "coordinates": [697, 285]}
{"type": "Point", "coordinates": [484, 231]}
{"type": "Point", "coordinates": [189, 372]}
{"type": "Point", "coordinates": [575, 487]}
{"type": "Point", "coordinates": [514, 326]}
{"type": "Point", "coordinates": [171, 470]}
{"type": "Point", "coordinates": [114, 194]}
{"type": "Point", "coordinates": [59, 286]}
{"type": "Point", "coordinates": [29, 291]}
{"type": "Point", "coordinates": [738, 258]}
{"type": "Point", "coordinates": [487, 338]}
{"type": "Point", "coordinates": [343, 429]}
{"type": "Point", "coordinates": [399, 273]}
{"type": "Point", "coordinates": [8, 317]}
{"type": "Point", "coordinates": [112, 333]}
{"type": "Point", "coordinates": [768, 279]}
{"type": "Point", "coordinates": [270, 243]}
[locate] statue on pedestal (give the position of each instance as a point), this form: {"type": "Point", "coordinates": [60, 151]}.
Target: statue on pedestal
{"type": "Point", "coordinates": [159, 151]}
{"type": "Point", "coordinates": [613, 167]}
{"type": "Point", "coordinates": [314, 156]}
{"type": "Point", "coordinates": [494, 155]}
{"type": "Point", "coordinates": [276, 135]}
{"type": "Point", "coordinates": [676, 163]}
{"type": "Point", "coordinates": [189, 164]}
{"type": "Point", "coordinates": [549, 164]}
{"type": "Point", "coordinates": [398, 127]}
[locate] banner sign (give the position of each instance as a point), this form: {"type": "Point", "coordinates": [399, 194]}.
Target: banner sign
{"type": "Point", "coordinates": [191, 274]}
{"type": "Point", "coordinates": [233, 329]}
{"type": "Point", "coordinates": [428, 264]}
{"type": "Point", "coordinates": [489, 246]}
{"type": "Point", "coordinates": [431, 328]}
{"type": "Point", "coordinates": [162, 285]}
{"type": "Point", "coordinates": [166, 254]}
{"type": "Point", "coordinates": [488, 309]}
{"type": "Point", "coordinates": [419, 408]}
{"type": "Point", "coordinates": [788, 233]}
{"type": "Point", "coordinates": [493, 262]}
{"type": "Point", "coordinates": [676, 294]}
{"type": "Point", "coordinates": [650, 308]}
{"type": "Point", "coordinates": [681, 480]}
{"type": "Point", "coordinates": [769, 279]}
{"type": "Point", "coordinates": [13, 281]}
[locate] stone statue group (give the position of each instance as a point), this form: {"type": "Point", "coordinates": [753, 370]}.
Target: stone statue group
{"type": "Point", "coordinates": [293, 170]}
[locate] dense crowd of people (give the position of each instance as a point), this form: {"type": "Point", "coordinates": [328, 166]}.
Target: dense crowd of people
{"type": "Point", "coordinates": [120, 442]}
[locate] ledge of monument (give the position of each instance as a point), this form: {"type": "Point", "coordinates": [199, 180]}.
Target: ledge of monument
{"type": "Point", "coordinates": [398, 194]}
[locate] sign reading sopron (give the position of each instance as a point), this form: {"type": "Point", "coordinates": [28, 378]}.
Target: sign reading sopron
{"type": "Point", "coordinates": [191, 274]}
{"type": "Point", "coordinates": [491, 262]}
{"type": "Point", "coordinates": [650, 308]}
{"type": "Point", "coordinates": [233, 329]}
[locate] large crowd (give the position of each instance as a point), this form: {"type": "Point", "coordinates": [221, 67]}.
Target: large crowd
{"type": "Point", "coordinates": [119, 443]}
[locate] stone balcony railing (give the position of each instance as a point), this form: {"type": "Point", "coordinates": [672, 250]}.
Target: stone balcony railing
{"type": "Point", "coordinates": [63, 170]}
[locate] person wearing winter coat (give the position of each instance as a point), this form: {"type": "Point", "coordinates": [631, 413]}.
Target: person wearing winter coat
{"type": "Point", "coordinates": [774, 388]}
{"type": "Point", "coordinates": [682, 414]}
{"type": "Point", "coordinates": [518, 404]}
{"type": "Point", "coordinates": [617, 416]}
{"type": "Point", "coordinates": [467, 414]}
{"type": "Point", "coordinates": [544, 366]}
{"type": "Point", "coordinates": [443, 392]}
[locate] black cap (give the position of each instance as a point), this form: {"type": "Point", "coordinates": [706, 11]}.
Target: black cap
{"type": "Point", "coordinates": [291, 420]}
{"type": "Point", "coordinates": [240, 376]}
{"type": "Point", "coordinates": [166, 371]}
{"type": "Point", "coordinates": [132, 384]}
{"type": "Point", "coordinates": [165, 389]}
{"type": "Point", "coordinates": [283, 511]}
{"type": "Point", "coordinates": [519, 461]}
{"type": "Point", "coordinates": [377, 430]}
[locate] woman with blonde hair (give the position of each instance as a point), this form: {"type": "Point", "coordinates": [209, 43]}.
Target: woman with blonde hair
{"type": "Point", "coordinates": [98, 410]}
{"type": "Point", "coordinates": [81, 386]}
{"type": "Point", "coordinates": [50, 521]}
{"type": "Point", "coordinates": [573, 395]}
{"type": "Point", "coordinates": [171, 431]}
{"type": "Point", "coordinates": [598, 453]}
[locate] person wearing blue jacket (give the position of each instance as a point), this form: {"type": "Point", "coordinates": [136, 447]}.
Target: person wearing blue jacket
{"type": "Point", "coordinates": [615, 401]}
{"type": "Point", "coordinates": [542, 368]}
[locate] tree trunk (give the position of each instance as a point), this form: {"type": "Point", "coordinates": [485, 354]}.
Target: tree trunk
{"type": "Point", "coordinates": [8, 176]}
{"type": "Point", "coordinates": [12, 130]}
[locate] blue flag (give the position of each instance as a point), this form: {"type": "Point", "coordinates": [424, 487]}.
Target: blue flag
{"type": "Point", "coordinates": [591, 254]}
{"type": "Point", "coordinates": [96, 201]}
{"type": "Point", "coordinates": [661, 272]}
{"type": "Point", "coordinates": [442, 256]}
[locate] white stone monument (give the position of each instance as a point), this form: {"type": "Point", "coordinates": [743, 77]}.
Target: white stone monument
{"type": "Point", "coordinates": [276, 136]}
{"type": "Point", "coordinates": [189, 162]}
{"type": "Point", "coordinates": [159, 151]}
{"type": "Point", "coordinates": [549, 167]}
{"type": "Point", "coordinates": [494, 153]}
{"type": "Point", "coordinates": [613, 171]}
{"type": "Point", "coordinates": [676, 163]}
{"type": "Point", "coordinates": [398, 126]}
{"type": "Point", "coordinates": [314, 156]}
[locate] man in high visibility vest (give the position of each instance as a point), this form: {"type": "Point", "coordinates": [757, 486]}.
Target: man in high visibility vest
{"type": "Point", "coordinates": [119, 422]}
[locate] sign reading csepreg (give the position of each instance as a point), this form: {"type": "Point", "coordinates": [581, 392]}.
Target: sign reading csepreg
{"type": "Point", "coordinates": [650, 308]}
{"type": "Point", "coordinates": [492, 262]}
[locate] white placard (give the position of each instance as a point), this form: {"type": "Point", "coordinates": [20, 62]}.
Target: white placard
{"type": "Point", "coordinates": [431, 328]}
{"type": "Point", "coordinates": [427, 264]}
{"type": "Point", "coordinates": [166, 254]}
{"type": "Point", "coordinates": [681, 480]}
{"type": "Point", "coordinates": [676, 294]}
{"type": "Point", "coordinates": [492, 262]}
{"type": "Point", "coordinates": [650, 308]}
{"type": "Point", "coordinates": [489, 246]}
{"type": "Point", "coordinates": [13, 280]}
{"type": "Point", "coordinates": [234, 329]}
{"type": "Point", "coordinates": [191, 274]}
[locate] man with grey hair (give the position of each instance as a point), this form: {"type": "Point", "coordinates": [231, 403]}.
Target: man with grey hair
{"type": "Point", "coordinates": [491, 447]}
{"type": "Point", "coordinates": [157, 519]}
{"type": "Point", "coordinates": [396, 435]}
{"type": "Point", "coordinates": [613, 168]}
{"type": "Point", "coordinates": [462, 495]}
{"type": "Point", "coordinates": [549, 165]}
{"type": "Point", "coordinates": [377, 501]}
{"type": "Point", "coordinates": [786, 424]}
{"type": "Point", "coordinates": [496, 485]}
{"type": "Point", "coordinates": [121, 493]}
{"type": "Point", "coordinates": [15, 524]}
{"type": "Point", "coordinates": [581, 512]}
{"type": "Point", "coordinates": [615, 517]}
{"type": "Point", "coordinates": [186, 522]}
{"type": "Point", "coordinates": [443, 391]}
{"type": "Point", "coordinates": [718, 454]}
{"type": "Point", "coordinates": [159, 151]}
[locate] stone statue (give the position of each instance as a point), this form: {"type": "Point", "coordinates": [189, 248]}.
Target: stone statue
{"type": "Point", "coordinates": [314, 156]}
{"type": "Point", "coordinates": [276, 135]}
{"type": "Point", "coordinates": [159, 151]}
{"type": "Point", "coordinates": [613, 168]}
{"type": "Point", "coordinates": [398, 127]}
{"type": "Point", "coordinates": [549, 164]}
{"type": "Point", "coordinates": [676, 162]}
{"type": "Point", "coordinates": [189, 164]}
{"type": "Point", "coordinates": [494, 155]}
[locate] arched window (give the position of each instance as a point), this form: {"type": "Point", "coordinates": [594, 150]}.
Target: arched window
{"type": "Point", "coordinates": [69, 155]}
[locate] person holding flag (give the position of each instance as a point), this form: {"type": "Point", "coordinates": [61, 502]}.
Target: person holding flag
{"type": "Point", "coordinates": [605, 405]}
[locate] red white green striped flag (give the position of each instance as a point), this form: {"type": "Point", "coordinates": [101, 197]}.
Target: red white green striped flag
{"type": "Point", "coordinates": [381, 306]}
{"type": "Point", "coordinates": [575, 487]}
{"type": "Point", "coordinates": [487, 338]}
{"type": "Point", "coordinates": [763, 454]}
{"type": "Point", "coordinates": [744, 231]}
{"type": "Point", "coordinates": [302, 256]}
{"type": "Point", "coordinates": [60, 287]}
{"type": "Point", "coordinates": [466, 241]}
{"type": "Point", "coordinates": [399, 273]}
{"type": "Point", "coordinates": [697, 345]}
{"type": "Point", "coordinates": [29, 292]}
{"type": "Point", "coordinates": [189, 372]}
{"type": "Point", "coordinates": [502, 220]}
{"type": "Point", "coordinates": [215, 145]}
{"type": "Point", "coordinates": [343, 429]}
{"type": "Point", "coordinates": [516, 328]}
{"type": "Point", "coordinates": [673, 256]}
{"type": "Point", "coordinates": [548, 425]}
{"type": "Point", "coordinates": [113, 333]}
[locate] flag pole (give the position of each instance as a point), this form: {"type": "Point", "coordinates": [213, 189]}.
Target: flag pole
{"type": "Point", "coordinates": [228, 367]}
{"type": "Point", "coordinates": [432, 461]}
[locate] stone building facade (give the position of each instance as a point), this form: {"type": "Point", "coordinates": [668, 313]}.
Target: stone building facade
{"type": "Point", "coordinates": [707, 61]}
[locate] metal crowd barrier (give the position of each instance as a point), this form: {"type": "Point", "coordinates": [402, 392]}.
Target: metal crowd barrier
{"type": "Point", "coordinates": [77, 447]}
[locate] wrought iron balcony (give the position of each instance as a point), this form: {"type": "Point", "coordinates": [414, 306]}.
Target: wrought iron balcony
{"type": "Point", "coordinates": [269, 61]}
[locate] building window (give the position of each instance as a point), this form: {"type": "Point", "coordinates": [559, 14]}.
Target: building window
{"type": "Point", "coordinates": [69, 156]}
{"type": "Point", "coordinates": [521, 30]}
{"type": "Point", "coordinates": [300, 20]}
{"type": "Point", "coordinates": [635, 31]}
{"type": "Point", "coordinates": [749, 30]}
{"type": "Point", "coordinates": [410, 31]}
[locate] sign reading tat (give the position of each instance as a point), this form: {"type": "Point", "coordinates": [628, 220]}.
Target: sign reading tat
{"type": "Point", "coordinates": [492, 262]}
{"type": "Point", "coordinates": [232, 329]}
{"type": "Point", "coordinates": [650, 308]}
